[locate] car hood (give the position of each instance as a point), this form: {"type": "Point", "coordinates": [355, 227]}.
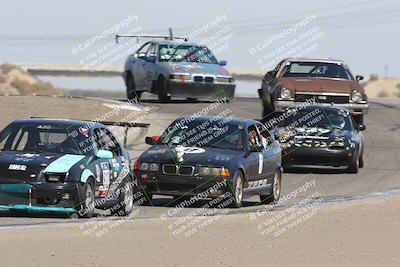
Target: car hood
{"type": "Point", "coordinates": [25, 167]}
{"type": "Point", "coordinates": [192, 155]}
{"type": "Point", "coordinates": [320, 85]}
{"type": "Point", "coordinates": [197, 68]}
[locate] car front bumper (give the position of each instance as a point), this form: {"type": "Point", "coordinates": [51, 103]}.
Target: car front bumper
{"type": "Point", "coordinates": [179, 185]}
{"type": "Point", "coordinates": [281, 105]}
{"type": "Point", "coordinates": [40, 196]}
{"type": "Point", "coordinates": [325, 158]}
{"type": "Point", "coordinates": [204, 91]}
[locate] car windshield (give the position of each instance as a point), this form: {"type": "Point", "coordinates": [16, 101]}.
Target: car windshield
{"type": "Point", "coordinates": [186, 53]}
{"type": "Point", "coordinates": [316, 70]}
{"type": "Point", "coordinates": [317, 118]}
{"type": "Point", "coordinates": [204, 134]}
{"type": "Point", "coordinates": [40, 139]}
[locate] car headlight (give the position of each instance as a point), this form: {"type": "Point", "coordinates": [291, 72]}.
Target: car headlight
{"type": "Point", "coordinates": [144, 166]}
{"type": "Point", "coordinates": [56, 177]}
{"type": "Point", "coordinates": [214, 171]}
{"type": "Point", "coordinates": [286, 93]}
{"type": "Point", "coordinates": [154, 167]}
{"type": "Point", "coordinates": [356, 97]}
{"type": "Point", "coordinates": [224, 79]}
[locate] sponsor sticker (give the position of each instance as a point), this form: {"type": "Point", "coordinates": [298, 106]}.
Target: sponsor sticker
{"type": "Point", "coordinates": [106, 174]}
{"type": "Point", "coordinates": [98, 173]}
{"type": "Point", "coordinates": [17, 167]}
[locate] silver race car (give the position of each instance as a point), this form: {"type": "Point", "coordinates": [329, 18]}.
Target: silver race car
{"type": "Point", "coordinates": [174, 67]}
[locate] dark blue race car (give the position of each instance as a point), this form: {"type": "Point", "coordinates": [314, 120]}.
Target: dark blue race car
{"type": "Point", "coordinates": [321, 137]}
{"type": "Point", "coordinates": [218, 155]}
{"type": "Point", "coordinates": [64, 165]}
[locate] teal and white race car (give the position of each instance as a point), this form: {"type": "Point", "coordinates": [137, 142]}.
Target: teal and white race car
{"type": "Point", "coordinates": [64, 166]}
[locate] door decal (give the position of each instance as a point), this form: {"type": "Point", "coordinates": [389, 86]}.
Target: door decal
{"type": "Point", "coordinates": [106, 174]}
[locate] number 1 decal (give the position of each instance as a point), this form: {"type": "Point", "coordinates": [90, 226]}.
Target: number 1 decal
{"type": "Point", "coordinates": [260, 163]}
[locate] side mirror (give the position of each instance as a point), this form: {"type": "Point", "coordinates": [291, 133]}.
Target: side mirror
{"type": "Point", "coordinates": [104, 154]}
{"type": "Point", "coordinates": [359, 77]}
{"type": "Point", "coordinates": [151, 59]}
{"type": "Point", "coordinates": [361, 127]}
{"type": "Point", "coordinates": [152, 140]}
{"type": "Point", "coordinates": [270, 75]}
{"type": "Point", "coordinates": [223, 62]}
{"type": "Point", "coordinates": [256, 148]}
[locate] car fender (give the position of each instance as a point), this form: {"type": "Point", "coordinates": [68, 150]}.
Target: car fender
{"type": "Point", "coordinates": [85, 175]}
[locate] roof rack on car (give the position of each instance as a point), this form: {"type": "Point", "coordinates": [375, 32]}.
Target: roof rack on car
{"type": "Point", "coordinates": [170, 37]}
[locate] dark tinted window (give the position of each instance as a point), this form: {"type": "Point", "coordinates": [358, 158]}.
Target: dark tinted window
{"type": "Point", "coordinates": [316, 70]}
{"type": "Point", "coordinates": [318, 118]}
{"type": "Point", "coordinates": [41, 138]}
{"type": "Point", "coordinates": [218, 134]}
{"type": "Point", "coordinates": [186, 53]}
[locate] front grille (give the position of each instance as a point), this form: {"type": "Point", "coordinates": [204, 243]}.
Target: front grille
{"type": "Point", "coordinates": [178, 170]}
{"type": "Point", "coordinates": [337, 99]}
{"type": "Point", "coordinates": [209, 79]}
{"type": "Point", "coordinates": [186, 170]}
{"type": "Point", "coordinates": [201, 79]}
{"type": "Point", "coordinates": [198, 79]}
{"type": "Point", "coordinates": [169, 169]}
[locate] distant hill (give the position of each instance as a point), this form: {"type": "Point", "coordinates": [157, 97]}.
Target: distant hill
{"type": "Point", "coordinates": [15, 81]}
{"type": "Point", "coordinates": [383, 87]}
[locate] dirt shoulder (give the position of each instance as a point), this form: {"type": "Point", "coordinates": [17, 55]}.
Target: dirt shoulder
{"type": "Point", "coordinates": [358, 234]}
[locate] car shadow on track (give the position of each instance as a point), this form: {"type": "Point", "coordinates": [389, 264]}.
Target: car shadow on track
{"type": "Point", "coordinates": [30, 214]}
{"type": "Point", "coordinates": [314, 171]}
{"type": "Point", "coordinates": [171, 203]}
{"type": "Point", "coordinates": [174, 101]}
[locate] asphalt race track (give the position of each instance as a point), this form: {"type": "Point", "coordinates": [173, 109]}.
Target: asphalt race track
{"type": "Point", "coordinates": [379, 176]}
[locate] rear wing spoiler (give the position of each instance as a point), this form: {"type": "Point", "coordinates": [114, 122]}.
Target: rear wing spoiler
{"type": "Point", "coordinates": [138, 36]}
{"type": "Point", "coordinates": [127, 125]}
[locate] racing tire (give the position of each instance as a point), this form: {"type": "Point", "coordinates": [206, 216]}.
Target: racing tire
{"type": "Point", "coordinates": [131, 93]}
{"type": "Point", "coordinates": [237, 190]}
{"type": "Point", "coordinates": [268, 113]}
{"type": "Point", "coordinates": [354, 165]}
{"type": "Point", "coordinates": [276, 190]}
{"type": "Point", "coordinates": [87, 204]}
{"type": "Point", "coordinates": [359, 119]}
{"type": "Point", "coordinates": [361, 160]}
{"type": "Point", "coordinates": [162, 87]}
{"type": "Point", "coordinates": [125, 200]}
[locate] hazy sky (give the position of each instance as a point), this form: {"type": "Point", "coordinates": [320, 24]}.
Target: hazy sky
{"type": "Point", "coordinates": [363, 33]}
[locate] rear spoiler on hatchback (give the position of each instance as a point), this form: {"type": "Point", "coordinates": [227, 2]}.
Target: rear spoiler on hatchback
{"type": "Point", "coordinates": [125, 124]}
